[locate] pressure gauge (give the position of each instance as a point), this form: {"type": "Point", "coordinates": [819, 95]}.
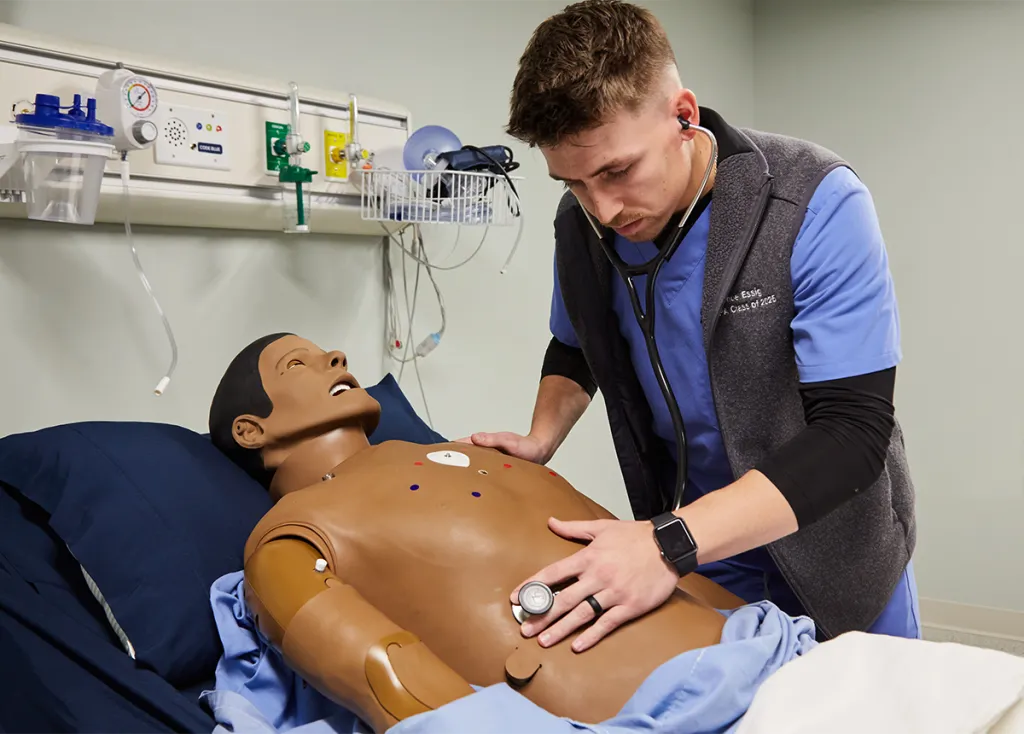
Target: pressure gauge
{"type": "Point", "coordinates": [127, 102]}
{"type": "Point", "coordinates": [140, 96]}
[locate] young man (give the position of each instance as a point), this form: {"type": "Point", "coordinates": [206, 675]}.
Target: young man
{"type": "Point", "coordinates": [776, 323]}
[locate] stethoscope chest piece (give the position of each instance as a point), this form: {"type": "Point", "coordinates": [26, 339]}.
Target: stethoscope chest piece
{"type": "Point", "coordinates": [534, 598]}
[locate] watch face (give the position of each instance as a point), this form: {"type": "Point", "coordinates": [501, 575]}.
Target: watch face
{"type": "Point", "coordinates": [675, 540]}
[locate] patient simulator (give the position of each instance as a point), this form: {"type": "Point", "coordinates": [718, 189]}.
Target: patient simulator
{"type": "Point", "coordinates": [383, 573]}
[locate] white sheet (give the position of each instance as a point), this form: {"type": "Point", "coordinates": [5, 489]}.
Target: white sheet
{"type": "Point", "coordinates": [860, 683]}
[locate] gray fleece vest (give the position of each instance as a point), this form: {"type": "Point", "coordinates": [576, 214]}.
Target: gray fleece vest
{"type": "Point", "coordinates": [844, 567]}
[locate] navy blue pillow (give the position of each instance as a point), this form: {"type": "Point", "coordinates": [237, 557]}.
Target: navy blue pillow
{"type": "Point", "coordinates": [398, 420]}
{"type": "Point", "coordinates": [155, 514]}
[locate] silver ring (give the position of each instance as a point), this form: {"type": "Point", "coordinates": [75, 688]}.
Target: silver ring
{"type": "Point", "coordinates": [595, 605]}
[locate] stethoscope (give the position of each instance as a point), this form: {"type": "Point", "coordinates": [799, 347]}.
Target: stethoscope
{"type": "Point", "coordinates": [645, 318]}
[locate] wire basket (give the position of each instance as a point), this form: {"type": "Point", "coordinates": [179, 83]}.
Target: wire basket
{"type": "Point", "coordinates": [438, 197]}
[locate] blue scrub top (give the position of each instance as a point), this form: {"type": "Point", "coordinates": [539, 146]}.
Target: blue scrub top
{"type": "Point", "coordinates": [846, 323]}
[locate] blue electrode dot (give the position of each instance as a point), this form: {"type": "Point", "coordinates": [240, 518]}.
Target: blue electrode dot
{"type": "Point", "coordinates": [476, 494]}
{"type": "Point", "coordinates": [414, 487]}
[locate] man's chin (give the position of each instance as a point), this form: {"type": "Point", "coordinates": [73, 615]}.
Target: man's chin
{"type": "Point", "coordinates": [646, 233]}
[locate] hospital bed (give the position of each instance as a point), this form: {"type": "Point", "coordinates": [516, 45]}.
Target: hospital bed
{"type": "Point", "coordinates": [113, 533]}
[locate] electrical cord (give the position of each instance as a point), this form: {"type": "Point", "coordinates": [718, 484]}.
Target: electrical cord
{"type": "Point", "coordinates": [499, 169]}
{"type": "Point", "coordinates": [166, 379]}
{"type": "Point", "coordinates": [423, 262]}
{"type": "Point", "coordinates": [503, 170]}
{"type": "Point", "coordinates": [411, 311]}
{"type": "Point", "coordinates": [418, 234]}
{"type": "Point", "coordinates": [394, 341]}
{"type": "Point", "coordinates": [418, 254]}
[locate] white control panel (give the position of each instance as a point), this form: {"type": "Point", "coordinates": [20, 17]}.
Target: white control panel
{"type": "Point", "coordinates": [193, 137]}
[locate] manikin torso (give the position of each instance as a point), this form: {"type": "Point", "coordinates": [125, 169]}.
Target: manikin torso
{"type": "Point", "coordinates": [438, 537]}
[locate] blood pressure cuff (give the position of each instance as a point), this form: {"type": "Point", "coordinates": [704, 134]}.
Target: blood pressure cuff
{"type": "Point", "coordinates": [561, 359]}
{"type": "Point", "coordinates": [842, 450]}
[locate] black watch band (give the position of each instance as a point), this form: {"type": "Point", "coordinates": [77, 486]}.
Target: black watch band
{"type": "Point", "coordinates": [677, 545]}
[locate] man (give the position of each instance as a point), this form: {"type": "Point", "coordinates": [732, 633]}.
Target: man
{"type": "Point", "coordinates": [777, 325]}
{"type": "Point", "coordinates": [382, 573]}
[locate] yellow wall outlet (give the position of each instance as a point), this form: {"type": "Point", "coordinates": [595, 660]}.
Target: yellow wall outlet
{"type": "Point", "coordinates": [335, 165]}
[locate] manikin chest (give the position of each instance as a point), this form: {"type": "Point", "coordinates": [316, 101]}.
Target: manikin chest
{"type": "Point", "coordinates": [450, 507]}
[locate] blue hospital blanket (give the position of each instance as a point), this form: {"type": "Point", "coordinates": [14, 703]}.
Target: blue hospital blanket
{"type": "Point", "coordinates": [703, 691]}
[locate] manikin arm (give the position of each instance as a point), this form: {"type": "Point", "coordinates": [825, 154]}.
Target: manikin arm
{"type": "Point", "coordinates": [339, 643]}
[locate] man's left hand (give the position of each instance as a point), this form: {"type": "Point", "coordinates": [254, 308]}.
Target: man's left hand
{"type": "Point", "coordinates": [621, 567]}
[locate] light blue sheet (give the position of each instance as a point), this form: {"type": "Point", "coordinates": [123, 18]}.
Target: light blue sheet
{"type": "Point", "coordinates": [253, 669]}
{"type": "Point", "coordinates": [703, 691]}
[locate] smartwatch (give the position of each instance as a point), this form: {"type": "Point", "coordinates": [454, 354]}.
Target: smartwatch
{"type": "Point", "coordinates": [677, 545]}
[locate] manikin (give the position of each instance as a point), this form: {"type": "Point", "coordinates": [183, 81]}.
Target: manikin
{"type": "Point", "coordinates": [383, 573]}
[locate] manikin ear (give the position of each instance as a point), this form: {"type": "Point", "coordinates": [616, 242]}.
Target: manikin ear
{"type": "Point", "coordinates": [248, 432]}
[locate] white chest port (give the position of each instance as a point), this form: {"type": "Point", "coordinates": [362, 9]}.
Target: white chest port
{"type": "Point", "coordinates": [449, 458]}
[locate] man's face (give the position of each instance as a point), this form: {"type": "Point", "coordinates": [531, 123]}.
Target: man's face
{"type": "Point", "coordinates": [312, 393]}
{"type": "Point", "coordinates": [633, 172]}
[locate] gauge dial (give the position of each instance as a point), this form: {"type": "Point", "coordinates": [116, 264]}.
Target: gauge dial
{"type": "Point", "coordinates": [140, 96]}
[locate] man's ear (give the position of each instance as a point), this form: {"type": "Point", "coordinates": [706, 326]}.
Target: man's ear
{"type": "Point", "coordinates": [248, 432]}
{"type": "Point", "coordinates": [684, 105]}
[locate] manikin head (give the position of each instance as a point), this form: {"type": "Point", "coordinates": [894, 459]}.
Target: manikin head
{"type": "Point", "coordinates": [282, 393]}
{"type": "Point", "coordinates": [598, 92]}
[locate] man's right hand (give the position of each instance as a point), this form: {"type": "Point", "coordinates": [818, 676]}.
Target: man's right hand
{"type": "Point", "coordinates": [527, 448]}
{"type": "Point", "coordinates": [560, 403]}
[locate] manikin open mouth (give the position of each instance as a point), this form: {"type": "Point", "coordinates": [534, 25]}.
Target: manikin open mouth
{"type": "Point", "coordinates": [339, 387]}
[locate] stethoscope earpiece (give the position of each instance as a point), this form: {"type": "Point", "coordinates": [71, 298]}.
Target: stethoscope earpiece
{"type": "Point", "coordinates": [683, 122]}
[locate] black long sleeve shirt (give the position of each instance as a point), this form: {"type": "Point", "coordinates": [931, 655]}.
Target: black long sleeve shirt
{"type": "Point", "coordinates": [841, 450]}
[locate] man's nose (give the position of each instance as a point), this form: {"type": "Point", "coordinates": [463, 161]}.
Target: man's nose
{"type": "Point", "coordinates": [606, 208]}
{"type": "Point", "coordinates": [337, 359]}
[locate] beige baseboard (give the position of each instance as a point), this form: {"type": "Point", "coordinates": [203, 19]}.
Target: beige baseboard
{"type": "Point", "coordinates": [950, 616]}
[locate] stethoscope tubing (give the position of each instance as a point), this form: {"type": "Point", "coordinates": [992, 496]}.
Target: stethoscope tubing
{"type": "Point", "coordinates": [646, 317]}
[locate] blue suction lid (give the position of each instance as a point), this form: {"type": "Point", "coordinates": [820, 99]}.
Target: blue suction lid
{"type": "Point", "coordinates": [47, 115]}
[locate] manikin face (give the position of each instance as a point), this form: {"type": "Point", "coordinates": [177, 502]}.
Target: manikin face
{"type": "Point", "coordinates": [635, 171]}
{"type": "Point", "coordinates": [312, 392]}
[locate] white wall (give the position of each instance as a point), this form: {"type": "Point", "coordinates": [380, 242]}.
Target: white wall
{"type": "Point", "coordinates": [83, 342]}
{"type": "Point", "coordinates": [923, 98]}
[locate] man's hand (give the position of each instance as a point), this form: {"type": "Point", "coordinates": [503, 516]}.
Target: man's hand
{"type": "Point", "coordinates": [621, 568]}
{"type": "Point", "coordinates": [560, 403]}
{"type": "Point", "coordinates": [527, 448]}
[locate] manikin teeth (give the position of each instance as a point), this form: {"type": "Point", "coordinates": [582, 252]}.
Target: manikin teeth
{"type": "Point", "coordinates": [339, 388]}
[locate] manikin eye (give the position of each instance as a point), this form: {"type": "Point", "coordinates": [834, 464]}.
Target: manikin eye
{"type": "Point", "coordinates": [293, 363]}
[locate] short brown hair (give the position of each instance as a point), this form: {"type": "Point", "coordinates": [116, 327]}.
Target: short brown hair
{"type": "Point", "coordinates": [584, 64]}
